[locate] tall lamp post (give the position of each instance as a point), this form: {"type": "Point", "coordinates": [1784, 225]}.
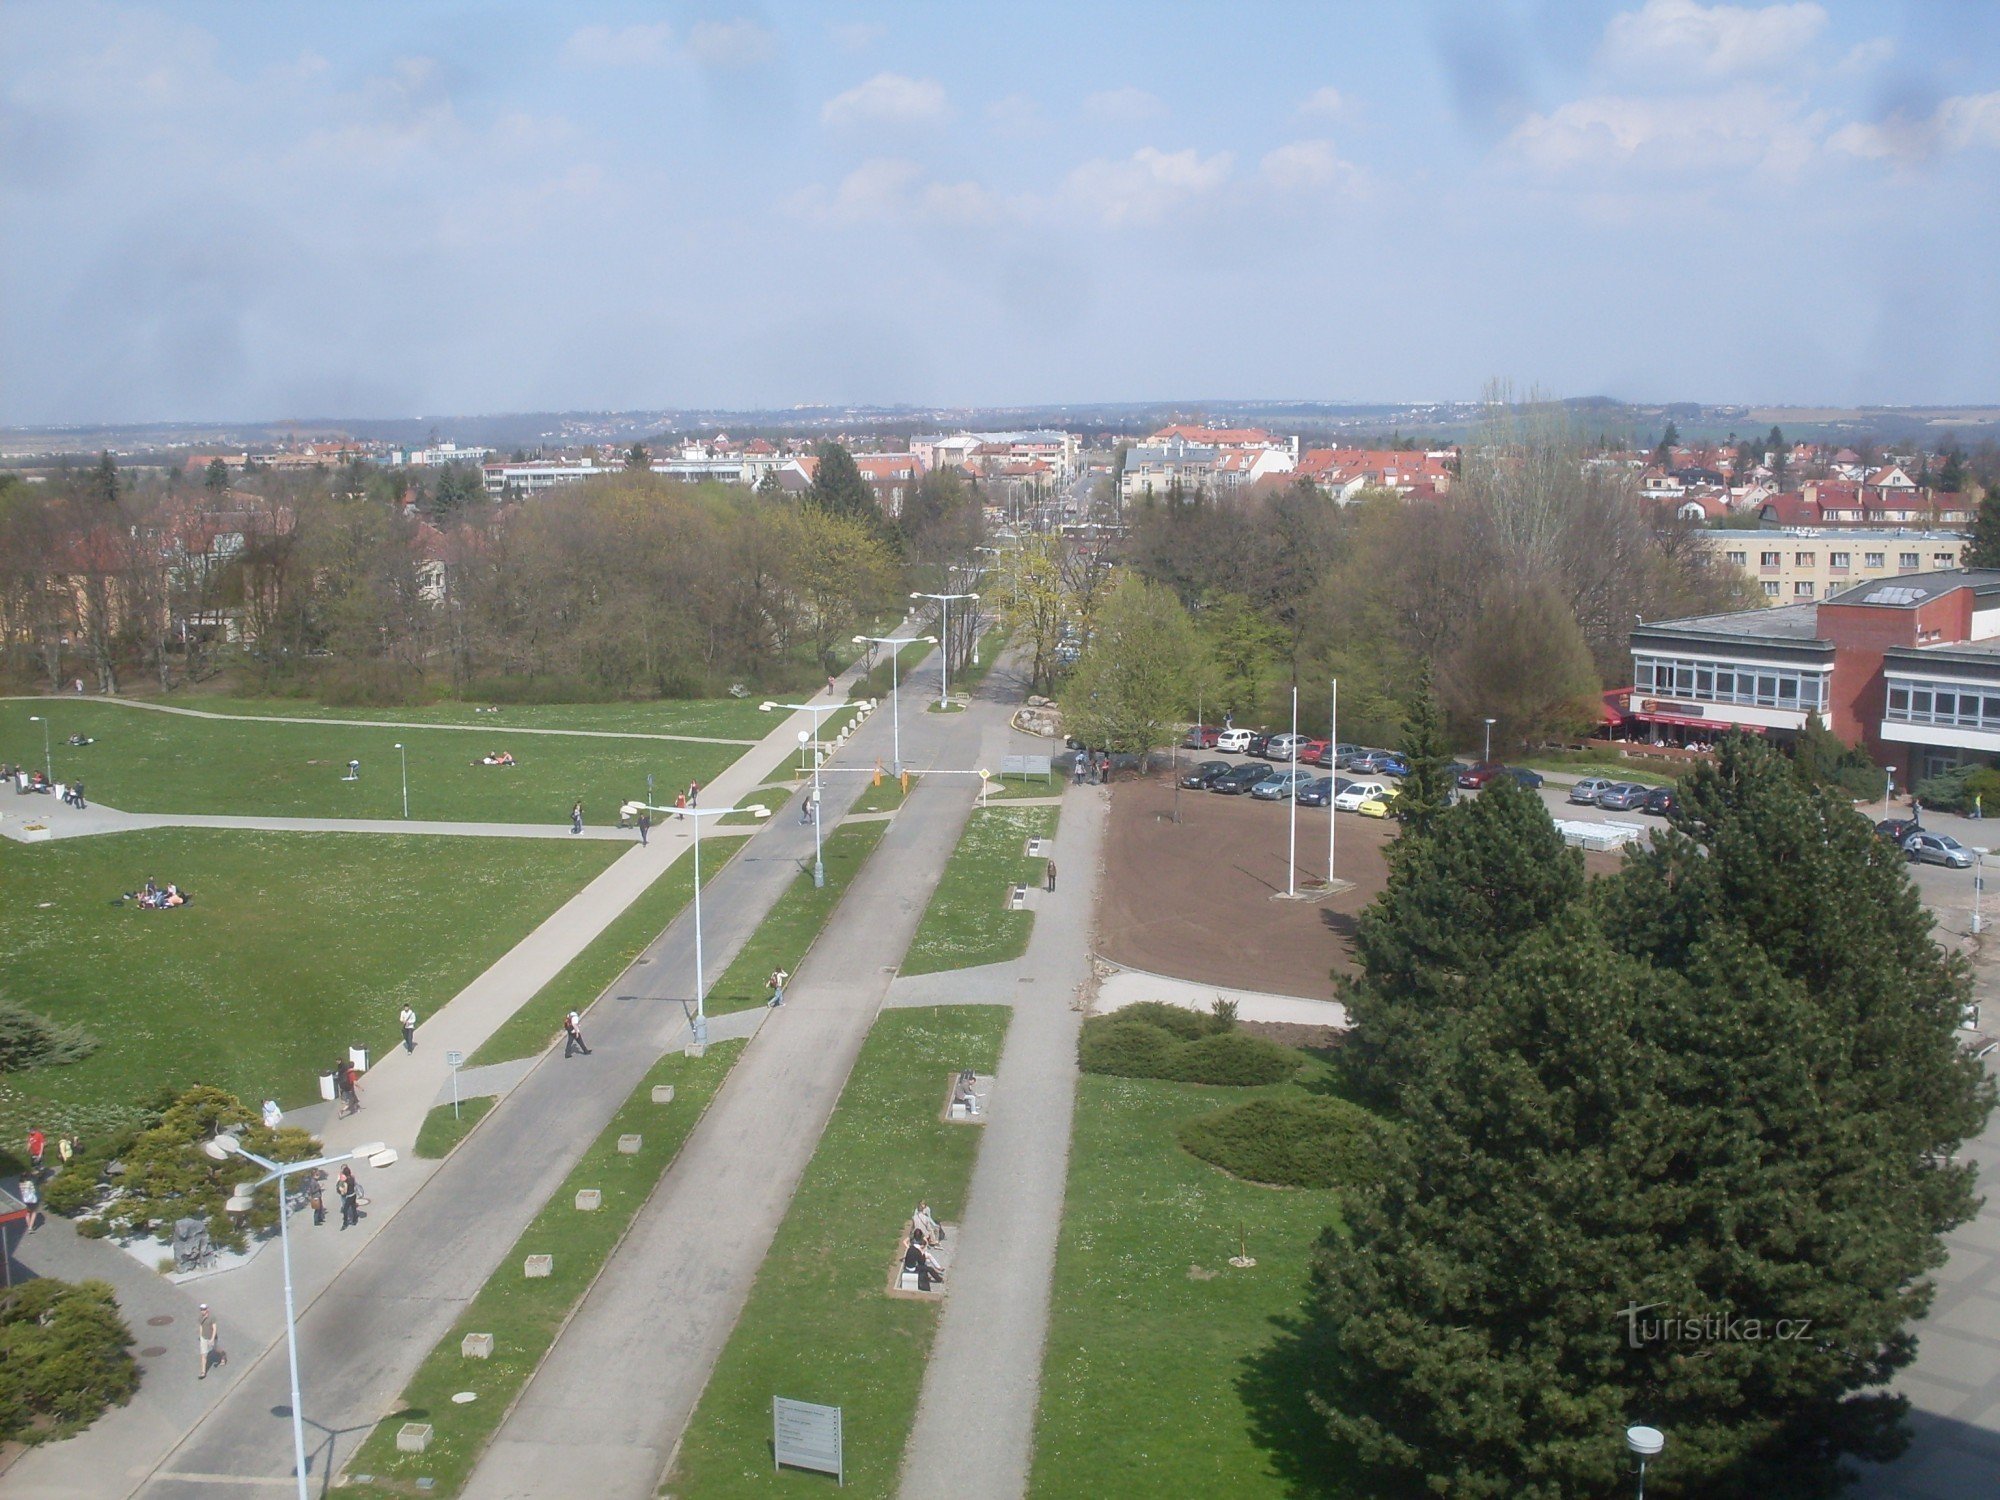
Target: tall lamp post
{"type": "Point", "coordinates": [898, 642]}
{"type": "Point", "coordinates": [700, 982]}
{"type": "Point", "coordinates": [48, 763]}
{"type": "Point", "coordinates": [1644, 1443]}
{"type": "Point", "coordinates": [406, 779]}
{"type": "Point", "coordinates": [816, 710]}
{"type": "Point", "coordinates": [1888, 787]}
{"type": "Point", "coordinates": [1333, 763]}
{"type": "Point", "coordinates": [221, 1148]}
{"type": "Point", "coordinates": [944, 629]}
{"type": "Point", "coordinates": [1489, 740]}
{"type": "Point", "coordinates": [1978, 888]}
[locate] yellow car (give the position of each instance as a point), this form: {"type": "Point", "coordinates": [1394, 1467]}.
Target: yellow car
{"type": "Point", "coordinates": [1382, 805]}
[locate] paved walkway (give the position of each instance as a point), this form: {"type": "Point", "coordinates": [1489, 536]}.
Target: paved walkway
{"type": "Point", "coordinates": [976, 1415]}
{"type": "Point", "coordinates": [72, 823]}
{"type": "Point", "coordinates": [240, 1437]}
{"type": "Point", "coordinates": [1123, 987]}
{"type": "Point", "coordinates": [496, 727]}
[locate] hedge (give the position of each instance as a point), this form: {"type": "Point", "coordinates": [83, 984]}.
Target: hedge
{"type": "Point", "coordinates": [1307, 1142]}
{"type": "Point", "coordinates": [1151, 1045]}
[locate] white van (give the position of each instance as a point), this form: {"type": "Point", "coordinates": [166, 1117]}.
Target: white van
{"type": "Point", "coordinates": [1236, 741]}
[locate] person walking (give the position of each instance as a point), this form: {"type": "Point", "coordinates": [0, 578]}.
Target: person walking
{"type": "Point", "coordinates": [349, 1192]}
{"type": "Point", "coordinates": [316, 1194]}
{"type": "Point", "coordinates": [645, 822]}
{"type": "Point", "coordinates": [407, 1019]}
{"type": "Point", "coordinates": [206, 1333]}
{"type": "Point", "coordinates": [776, 984]}
{"type": "Point", "coordinates": [347, 1087]}
{"type": "Point", "coordinates": [31, 1200]}
{"type": "Point", "coordinates": [573, 1035]}
{"type": "Point", "coordinates": [1049, 876]}
{"type": "Point", "coordinates": [694, 794]}
{"type": "Point", "coordinates": [576, 818]}
{"type": "Point", "coordinates": [37, 1144]}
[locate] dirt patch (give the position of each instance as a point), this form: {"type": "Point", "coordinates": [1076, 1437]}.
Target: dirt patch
{"type": "Point", "coordinates": [1293, 1034]}
{"type": "Point", "coordinates": [1203, 899]}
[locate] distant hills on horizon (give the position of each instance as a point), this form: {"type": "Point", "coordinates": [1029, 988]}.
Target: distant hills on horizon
{"type": "Point", "coordinates": [1317, 421]}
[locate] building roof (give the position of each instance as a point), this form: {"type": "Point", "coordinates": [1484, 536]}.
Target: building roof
{"type": "Point", "coordinates": [1785, 622]}
{"type": "Point", "coordinates": [1913, 589]}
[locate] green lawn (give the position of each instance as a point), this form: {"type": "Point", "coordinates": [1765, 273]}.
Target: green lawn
{"type": "Point", "coordinates": [1167, 1370]}
{"type": "Point", "coordinates": [967, 922]}
{"type": "Point", "coordinates": [885, 796]}
{"type": "Point", "coordinates": [819, 1325]}
{"type": "Point", "coordinates": [445, 1126]}
{"type": "Point", "coordinates": [794, 924]}
{"type": "Point", "coordinates": [535, 1023]}
{"type": "Point", "coordinates": [725, 718]}
{"type": "Point", "coordinates": [295, 946]}
{"type": "Point", "coordinates": [524, 1316]}
{"type": "Point", "coordinates": [166, 763]}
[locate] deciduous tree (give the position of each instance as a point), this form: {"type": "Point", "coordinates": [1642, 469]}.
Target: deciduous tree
{"type": "Point", "coordinates": [1135, 681]}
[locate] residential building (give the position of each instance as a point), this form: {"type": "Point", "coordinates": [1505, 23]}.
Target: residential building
{"type": "Point", "coordinates": [1344, 473]}
{"type": "Point", "coordinates": [537, 476]}
{"type": "Point", "coordinates": [438, 456]}
{"type": "Point", "coordinates": [1802, 565]}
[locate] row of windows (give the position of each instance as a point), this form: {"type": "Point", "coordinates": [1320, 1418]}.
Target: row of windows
{"type": "Point", "coordinates": [1844, 559]}
{"type": "Point", "coordinates": [1910, 704]}
{"type": "Point", "coordinates": [1704, 682]}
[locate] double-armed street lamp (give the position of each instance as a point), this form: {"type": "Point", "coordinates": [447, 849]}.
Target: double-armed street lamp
{"type": "Point", "coordinates": [812, 737]}
{"type": "Point", "coordinates": [944, 629]}
{"type": "Point", "coordinates": [896, 644]}
{"type": "Point", "coordinates": [700, 981]}
{"type": "Point", "coordinates": [221, 1148]}
{"type": "Point", "coordinates": [48, 761]}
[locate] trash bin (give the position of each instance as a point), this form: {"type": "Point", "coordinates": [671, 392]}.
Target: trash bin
{"type": "Point", "coordinates": [326, 1086]}
{"type": "Point", "coordinates": [359, 1057]}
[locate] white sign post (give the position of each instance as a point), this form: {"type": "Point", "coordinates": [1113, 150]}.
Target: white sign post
{"type": "Point", "coordinates": [806, 1436]}
{"type": "Point", "coordinates": [454, 1061]}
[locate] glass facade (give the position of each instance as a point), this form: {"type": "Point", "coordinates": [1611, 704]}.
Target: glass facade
{"type": "Point", "coordinates": [1740, 683]}
{"type": "Point", "coordinates": [1915, 702]}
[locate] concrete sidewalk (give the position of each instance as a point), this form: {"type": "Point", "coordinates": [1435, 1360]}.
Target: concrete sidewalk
{"type": "Point", "coordinates": [976, 1415]}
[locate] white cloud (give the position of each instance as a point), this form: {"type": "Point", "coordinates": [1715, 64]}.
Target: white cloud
{"type": "Point", "coordinates": [857, 36]}
{"type": "Point", "coordinates": [1869, 54]}
{"type": "Point", "coordinates": [1746, 127]}
{"type": "Point", "coordinates": [1146, 186]}
{"type": "Point", "coordinates": [1305, 166]}
{"type": "Point", "coordinates": [626, 47]}
{"type": "Point", "coordinates": [1125, 106]}
{"type": "Point", "coordinates": [1712, 39]}
{"type": "Point", "coordinates": [731, 44]}
{"type": "Point", "coordinates": [1016, 117]}
{"type": "Point", "coordinates": [1325, 101]}
{"type": "Point", "coordinates": [1967, 122]}
{"type": "Point", "coordinates": [889, 99]}
{"type": "Point", "coordinates": [893, 190]}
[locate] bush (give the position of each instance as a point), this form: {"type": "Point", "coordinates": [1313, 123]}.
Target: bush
{"type": "Point", "coordinates": [65, 1355]}
{"type": "Point", "coordinates": [1152, 1040]}
{"type": "Point", "coordinates": [29, 1041]}
{"type": "Point", "coordinates": [1307, 1142]}
{"type": "Point", "coordinates": [1953, 790]}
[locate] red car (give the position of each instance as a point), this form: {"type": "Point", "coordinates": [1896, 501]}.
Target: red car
{"type": "Point", "coordinates": [1475, 777]}
{"type": "Point", "coordinates": [1202, 737]}
{"type": "Point", "coordinates": [1310, 751]}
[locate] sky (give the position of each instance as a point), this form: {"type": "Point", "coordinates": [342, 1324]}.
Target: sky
{"type": "Point", "coordinates": [259, 211]}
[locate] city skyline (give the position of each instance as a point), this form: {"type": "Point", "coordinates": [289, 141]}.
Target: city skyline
{"type": "Point", "coordinates": [250, 213]}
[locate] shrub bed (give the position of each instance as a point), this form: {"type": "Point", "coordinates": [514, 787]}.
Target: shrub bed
{"type": "Point", "coordinates": [1163, 1041]}
{"type": "Point", "coordinates": [1308, 1142]}
{"type": "Point", "coordinates": [65, 1355]}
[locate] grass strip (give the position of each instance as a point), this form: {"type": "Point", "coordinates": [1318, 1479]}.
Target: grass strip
{"type": "Point", "coordinates": [524, 1316]}
{"type": "Point", "coordinates": [722, 718]}
{"type": "Point", "coordinates": [967, 922]}
{"type": "Point", "coordinates": [884, 796]}
{"type": "Point", "coordinates": [884, 680]}
{"type": "Point", "coordinates": [445, 1127]}
{"type": "Point", "coordinates": [795, 922]}
{"type": "Point", "coordinates": [1163, 1360]}
{"type": "Point", "coordinates": [603, 960]}
{"type": "Point", "coordinates": [819, 1325]}
{"type": "Point", "coordinates": [987, 652]}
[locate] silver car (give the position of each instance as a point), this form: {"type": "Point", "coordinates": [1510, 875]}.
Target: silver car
{"type": "Point", "coordinates": [1586, 791]}
{"type": "Point", "coordinates": [1922, 848]}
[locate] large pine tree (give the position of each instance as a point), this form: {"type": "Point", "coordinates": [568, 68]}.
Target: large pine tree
{"type": "Point", "coordinates": [1677, 1153]}
{"type": "Point", "coordinates": [839, 488]}
{"type": "Point", "coordinates": [1983, 549]}
{"type": "Point", "coordinates": [1428, 790]}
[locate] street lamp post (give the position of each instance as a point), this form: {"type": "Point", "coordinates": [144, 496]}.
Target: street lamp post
{"type": "Point", "coordinates": [220, 1148]}
{"type": "Point", "coordinates": [48, 761]}
{"type": "Point", "coordinates": [1644, 1443]}
{"type": "Point", "coordinates": [1489, 740]}
{"type": "Point", "coordinates": [1333, 765]}
{"type": "Point", "coordinates": [816, 710]}
{"type": "Point", "coordinates": [895, 700]}
{"type": "Point", "coordinates": [405, 755]}
{"type": "Point", "coordinates": [944, 629]}
{"type": "Point", "coordinates": [1978, 888]}
{"type": "Point", "coordinates": [700, 982]}
{"type": "Point", "coordinates": [1888, 787]}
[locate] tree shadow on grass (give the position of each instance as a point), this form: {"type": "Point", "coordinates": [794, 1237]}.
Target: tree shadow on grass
{"type": "Point", "coordinates": [1274, 1383]}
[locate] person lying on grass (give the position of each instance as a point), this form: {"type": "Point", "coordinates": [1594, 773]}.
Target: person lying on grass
{"type": "Point", "coordinates": [497, 758]}
{"type": "Point", "coordinates": [153, 898]}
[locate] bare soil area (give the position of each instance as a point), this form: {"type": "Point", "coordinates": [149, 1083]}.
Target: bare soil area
{"type": "Point", "coordinates": [1203, 899]}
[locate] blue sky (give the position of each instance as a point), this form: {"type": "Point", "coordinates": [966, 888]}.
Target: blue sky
{"type": "Point", "coordinates": [266, 210]}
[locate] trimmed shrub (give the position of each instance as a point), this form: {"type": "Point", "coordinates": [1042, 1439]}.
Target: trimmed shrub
{"type": "Point", "coordinates": [1235, 1058]}
{"type": "Point", "coordinates": [1188, 1025]}
{"type": "Point", "coordinates": [1126, 1049]}
{"type": "Point", "coordinates": [1152, 1040]}
{"type": "Point", "coordinates": [65, 1355]}
{"type": "Point", "coordinates": [1306, 1142]}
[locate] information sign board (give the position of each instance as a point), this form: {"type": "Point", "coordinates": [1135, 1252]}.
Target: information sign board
{"type": "Point", "coordinates": [806, 1436]}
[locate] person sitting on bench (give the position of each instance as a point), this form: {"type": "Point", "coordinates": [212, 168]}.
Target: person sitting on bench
{"type": "Point", "coordinates": [918, 1259]}
{"type": "Point", "coordinates": [923, 1228]}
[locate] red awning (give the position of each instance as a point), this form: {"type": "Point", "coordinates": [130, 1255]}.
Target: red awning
{"type": "Point", "coordinates": [1720, 726]}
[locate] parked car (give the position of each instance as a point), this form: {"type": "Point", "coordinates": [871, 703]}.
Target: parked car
{"type": "Point", "coordinates": [1475, 777]}
{"type": "Point", "coordinates": [1340, 757]}
{"type": "Point", "coordinates": [1586, 791]}
{"type": "Point", "coordinates": [1315, 793]}
{"type": "Point", "coordinates": [1623, 796]}
{"type": "Point", "coordinates": [1392, 763]}
{"type": "Point", "coordinates": [1199, 776]}
{"type": "Point", "coordinates": [1922, 848]}
{"type": "Point", "coordinates": [1660, 801]}
{"type": "Point", "coordinates": [1284, 746]}
{"type": "Point", "coordinates": [1238, 779]}
{"type": "Point", "coordinates": [1527, 780]}
{"type": "Point", "coordinates": [1351, 796]}
{"type": "Point", "coordinates": [1258, 744]}
{"type": "Point", "coordinates": [1381, 805]}
{"type": "Point", "coordinates": [1310, 750]}
{"type": "Point", "coordinates": [1234, 741]}
{"type": "Point", "coordinates": [1201, 737]}
{"type": "Point", "coordinates": [1374, 763]}
{"type": "Point", "coordinates": [1280, 785]}
{"type": "Point", "coordinates": [1895, 830]}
